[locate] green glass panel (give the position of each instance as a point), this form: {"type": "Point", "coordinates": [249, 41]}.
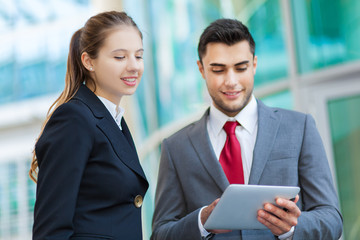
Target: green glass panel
{"type": "Point", "coordinates": [265, 22]}
{"type": "Point", "coordinates": [175, 81]}
{"type": "Point", "coordinates": [326, 32]}
{"type": "Point", "coordinates": [282, 99]}
{"type": "Point", "coordinates": [344, 115]}
{"type": "Point", "coordinates": [13, 184]}
{"type": "Point", "coordinates": [31, 196]}
{"type": "Point", "coordinates": [267, 28]}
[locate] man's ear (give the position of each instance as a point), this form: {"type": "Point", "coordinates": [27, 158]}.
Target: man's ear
{"type": "Point", "coordinates": [255, 64]}
{"type": "Point", "coordinates": [87, 61]}
{"type": "Point", "coordinates": [201, 68]}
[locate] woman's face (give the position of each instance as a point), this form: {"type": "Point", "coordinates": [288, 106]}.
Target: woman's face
{"type": "Point", "coordinates": [119, 66]}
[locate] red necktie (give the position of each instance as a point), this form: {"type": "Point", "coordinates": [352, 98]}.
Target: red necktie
{"type": "Point", "coordinates": [230, 157]}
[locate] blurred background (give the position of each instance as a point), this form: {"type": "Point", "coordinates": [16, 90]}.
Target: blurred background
{"type": "Point", "coordinates": [308, 60]}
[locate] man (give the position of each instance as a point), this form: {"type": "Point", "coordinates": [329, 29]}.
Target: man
{"type": "Point", "coordinates": [274, 147]}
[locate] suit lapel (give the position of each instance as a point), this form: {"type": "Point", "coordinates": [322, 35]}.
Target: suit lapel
{"type": "Point", "coordinates": [268, 124]}
{"type": "Point", "coordinates": [200, 141]}
{"type": "Point", "coordinates": [121, 142]}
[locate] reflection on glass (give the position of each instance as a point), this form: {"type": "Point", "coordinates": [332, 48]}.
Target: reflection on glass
{"type": "Point", "coordinates": [282, 99]}
{"type": "Point", "coordinates": [176, 27]}
{"type": "Point", "coordinates": [344, 115]}
{"type": "Point", "coordinates": [266, 25]}
{"type": "Point", "coordinates": [326, 32]}
{"type": "Point", "coordinates": [34, 36]}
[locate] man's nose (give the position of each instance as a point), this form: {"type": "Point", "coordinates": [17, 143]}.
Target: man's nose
{"type": "Point", "coordinates": [231, 78]}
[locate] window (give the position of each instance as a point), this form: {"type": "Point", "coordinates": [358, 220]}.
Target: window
{"type": "Point", "coordinates": [326, 32]}
{"type": "Point", "coordinates": [344, 115]}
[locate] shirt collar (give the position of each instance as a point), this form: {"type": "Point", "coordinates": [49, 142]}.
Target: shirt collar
{"type": "Point", "coordinates": [116, 112]}
{"type": "Point", "coordinates": [247, 117]}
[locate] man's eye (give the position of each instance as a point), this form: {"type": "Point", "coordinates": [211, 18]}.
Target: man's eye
{"type": "Point", "coordinates": [217, 70]}
{"type": "Point", "coordinates": [241, 69]}
{"type": "Point", "coordinates": [139, 57]}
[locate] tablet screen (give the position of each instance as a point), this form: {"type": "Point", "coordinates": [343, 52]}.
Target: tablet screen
{"type": "Point", "coordinates": [238, 206]}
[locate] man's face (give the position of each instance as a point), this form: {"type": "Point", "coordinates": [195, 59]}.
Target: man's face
{"type": "Point", "coordinates": [229, 74]}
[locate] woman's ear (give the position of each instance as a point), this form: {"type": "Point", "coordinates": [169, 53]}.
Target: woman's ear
{"type": "Point", "coordinates": [87, 61]}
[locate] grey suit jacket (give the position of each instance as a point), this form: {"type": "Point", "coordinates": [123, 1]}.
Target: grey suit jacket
{"type": "Point", "coordinates": [288, 152]}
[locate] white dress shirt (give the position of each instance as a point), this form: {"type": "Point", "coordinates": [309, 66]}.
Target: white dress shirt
{"type": "Point", "coordinates": [116, 112]}
{"type": "Point", "coordinates": [246, 134]}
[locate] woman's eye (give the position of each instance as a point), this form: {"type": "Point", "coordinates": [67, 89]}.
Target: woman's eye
{"type": "Point", "coordinates": [120, 57]}
{"type": "Point", "coordinates": [139, 57]}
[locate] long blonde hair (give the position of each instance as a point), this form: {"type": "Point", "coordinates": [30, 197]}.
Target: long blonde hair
{"type": "Point", "coordinates": [89, 39]}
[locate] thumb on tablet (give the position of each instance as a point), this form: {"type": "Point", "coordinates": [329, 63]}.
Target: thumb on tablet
{"type": "Point", "coordinates": [205, 213]}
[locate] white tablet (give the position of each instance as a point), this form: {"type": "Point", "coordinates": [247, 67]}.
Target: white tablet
{"type": "Point", "coordinates": [238, 206]}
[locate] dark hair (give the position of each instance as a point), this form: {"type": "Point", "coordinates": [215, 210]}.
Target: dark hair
{"type": "Point", "coordinates": [228, 31]}
{"type": "Point", "coordinates": [89, 39]}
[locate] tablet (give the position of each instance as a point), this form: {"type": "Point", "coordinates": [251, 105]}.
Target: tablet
{"type": "Point", "coordinates": [238, 205]}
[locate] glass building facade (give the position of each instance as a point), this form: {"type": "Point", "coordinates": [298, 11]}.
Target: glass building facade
{"type": "Point", "coordinates": [308, 60]}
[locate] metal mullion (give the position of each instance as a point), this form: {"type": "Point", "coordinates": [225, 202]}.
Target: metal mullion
{"type": "Point", "coordinates": [291, 51]}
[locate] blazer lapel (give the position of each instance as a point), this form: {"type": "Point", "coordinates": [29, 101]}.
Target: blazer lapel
{"type": "Point", "coordinates": [127, 133]}
{"type": "Point", "coordinates": [123, 149]}
{"type": "Point", "coordinates": [200, 140]}
{"type": "Point", "coordinates": [268, 124]}
{"type": "Point", "coordinates": [121, 142]}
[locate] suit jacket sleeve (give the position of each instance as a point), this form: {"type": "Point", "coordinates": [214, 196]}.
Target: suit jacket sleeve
{"type": "Point", "coordinates": [62, 152]}
{"type": "Point", "coordinates": [170, 220]}
{"type": "Point", "coordinates": [320, 217]}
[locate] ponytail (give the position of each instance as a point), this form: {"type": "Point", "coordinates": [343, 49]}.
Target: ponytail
{"type": "Point", "coordinates": [75, 75]}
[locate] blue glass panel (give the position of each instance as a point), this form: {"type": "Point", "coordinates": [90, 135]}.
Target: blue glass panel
{"type": "Point", "coordinates": [32, 80]}
{"type": "Point", "coordinates": [55, 80]}
{"type": "Point", "coordinates": [25, 73]}
{"type": "Point", "coordinates": [6, 82]}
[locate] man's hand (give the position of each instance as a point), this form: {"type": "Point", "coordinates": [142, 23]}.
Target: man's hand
{"type": "Point", "coordinates": [205, 213]}
{"type": "Point", "coordinates": [279, 219]}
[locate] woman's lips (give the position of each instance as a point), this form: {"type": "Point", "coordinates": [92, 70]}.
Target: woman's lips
{"type": "Point", "coordinates": [130, 81]}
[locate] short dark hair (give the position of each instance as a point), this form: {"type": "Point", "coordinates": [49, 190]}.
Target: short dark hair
{"type": "Point", "coordinates": [228, 31]}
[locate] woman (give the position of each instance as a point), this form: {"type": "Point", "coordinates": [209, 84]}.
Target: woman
{"type": "Point", "coordinates": [90, 184]}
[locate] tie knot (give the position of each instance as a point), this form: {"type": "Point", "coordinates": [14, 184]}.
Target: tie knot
{"type": "Point", "coordinates": [230, 126]}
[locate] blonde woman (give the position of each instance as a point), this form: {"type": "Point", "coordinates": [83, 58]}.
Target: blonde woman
{"type": "Point", "coordinates": [90, 184]}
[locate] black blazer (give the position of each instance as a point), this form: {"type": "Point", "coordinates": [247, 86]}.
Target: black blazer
{"type": "Point", "coordinates": [89, 175]}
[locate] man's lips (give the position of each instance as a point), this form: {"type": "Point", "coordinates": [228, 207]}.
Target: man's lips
{"type": "Point", "coordinates": [231, 93]}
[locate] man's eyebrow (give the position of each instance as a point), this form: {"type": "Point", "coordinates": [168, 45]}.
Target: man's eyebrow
{"type": "Point", "coordinates": [241, 63]}
{"type": "Point", "coordinates": [223, 65]}
{"type": "Point", "coordinates": [217, 65]}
